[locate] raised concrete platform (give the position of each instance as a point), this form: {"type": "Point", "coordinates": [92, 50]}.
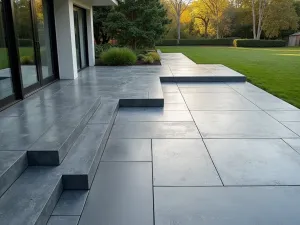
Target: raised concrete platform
{"type": "Point", "coordinates": [66, 126]}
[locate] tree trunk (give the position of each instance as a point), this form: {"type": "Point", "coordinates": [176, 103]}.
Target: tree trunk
{"type": "Point", "coordinates": [178, 28]}
{"type": "Point", "coordinates": [254, 20]}
{"type": "Point", "coordinates": [218, 32]}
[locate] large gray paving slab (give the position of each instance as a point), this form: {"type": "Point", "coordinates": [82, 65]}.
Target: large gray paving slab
{"type": "Point", "coordinates": [175, 107]}
{"type": "Point", "coordinates": [239, 124]}
{"type": "Point", "coordinates": [70, 203]}
{"type": "Point", "coordinates": [182, 163]}
{"type": "Point", "coordinates": [217, 101]}
{"type": "Point", "coordinates": [170, 87]}
{"type": "Point", "coordinates": [105, 112]}
{"type": "Point", "coordinates": [285, 116]}
{"type": "Point", "coordinates": [127, 150]}
{"type": "Point", "coordinates": [294, 126]}
{"type": "Point", "coordinates": [173, 98]}
{"type": "Point", "coordinates": [294, 143]}
{"type": "Point", "coordinates": [12, 164]}
{"type": "Point", "coordinates": [32, 198]}
{"type": "Point", "coordinates": [155, 130]}
{"type": "Point", "coordinates": [121, 194]}
{"type": "Point", "coordinates": [220, 206]}
{"type": "Point", "coordinates": [152, 114]}
{"type": "Point", "coordinates": [207, 88]}
{"type": "Point", "coordinates": [255, 161]}
{"type": "Point", "coordinates": [63, 220]}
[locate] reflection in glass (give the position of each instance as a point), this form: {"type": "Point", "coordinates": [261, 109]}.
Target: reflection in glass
{"type": "Point", "coordinates": [24, 30]}
{"type": "Point", "coordinates": [5, 73]}
{"type": "Point", "coordinates": [80, 37]}
{"type": "Point", "coordinates": [44, 37]}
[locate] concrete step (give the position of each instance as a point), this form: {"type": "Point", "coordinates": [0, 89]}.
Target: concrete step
{"type": "Point", "coordinates": [32, 198]}
{"type": "Point", "coordinates": [12, 164]}
{"type": "Point", "coordinates": [234, 78]}
{"type": "Point", "coordinates": [53, 146]}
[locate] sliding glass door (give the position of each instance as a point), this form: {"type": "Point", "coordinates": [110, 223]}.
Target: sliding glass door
{"type": "Point", "coordinates": [80, 37]}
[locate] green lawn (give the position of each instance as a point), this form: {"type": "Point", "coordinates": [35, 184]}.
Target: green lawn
{"type": "Point", "coordinates": [276, 70]}
{"type": "Point", "coordinates": [4, 58]}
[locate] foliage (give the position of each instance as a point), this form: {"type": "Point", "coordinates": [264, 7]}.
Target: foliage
{"type": "Point", "coordinates": [25, 42]}
{"type": "Point", "coordinates": [213, 42]}
{"type": "Point", "coordinates": [137, 23]}
{"type": "Point", "coordinates": [118, 56]}
{"type": "Point", "coordinates": [148, 59]}
{"type": "Point", "coordinates": [275, 70]}
{"type": "Point", "coordinates": [154, 55]}
{"type": "Point", "coordinates": [101, 48]}
{"type": "Point", "coordinates": [258, 43]}
{"type": "Point", "coordinates": [281, 15]}
{"type": "Point", "coordinates": [26, 60]}
{"type": "Point", "coordinates": [99, 17]}
{"type": "Point", "coordinates": [141, 56]}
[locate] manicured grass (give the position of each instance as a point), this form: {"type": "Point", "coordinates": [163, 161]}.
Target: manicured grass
{"type": "Point", "coordinates": [276, 70]}
{"type": "Point", "coordinates": [4, 57]}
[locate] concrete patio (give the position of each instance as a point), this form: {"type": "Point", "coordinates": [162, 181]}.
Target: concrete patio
{"type": "Point", "coordinates": [177, 144]}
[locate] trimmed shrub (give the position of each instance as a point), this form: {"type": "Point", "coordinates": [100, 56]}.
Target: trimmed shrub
{"type": "Point", "coordinates": [191, 42]}
{"type": "Point", "coordinates": [101, 48]}
{"type": "Point", "coordinates": [26, 60]}
{"type": "Point", "coordinates": [118, 57]}
{"type": "Point", "coordinates": [148, 59]}
{"type": "Point", "coordinates": [141, 56]}
{"type": "Point", "coordinates": [154, 55]}
{"type": "Point", "coordinates": [258, 43]}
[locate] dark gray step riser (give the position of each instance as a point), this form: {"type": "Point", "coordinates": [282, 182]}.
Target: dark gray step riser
{"type": "Point", "coordinates": [12, 174]}
{"type": "Point", "coordinates": [203, 79]}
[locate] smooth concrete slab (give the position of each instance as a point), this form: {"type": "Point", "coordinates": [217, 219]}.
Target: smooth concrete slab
{"type": "Point", "coordinates": [255, 161]}
{"type": "Point", "coordinates": [12, 164]}
{"type": "Point", "coordinates": [127, 150]}
{"type": "Point", "coordinates": [151, 114]}
{"type": "Point", "coordinates": [63, 220]}
{"type": "Point", "coordinates": [175, 107]}
{"type": "Point", "coordinates": [173, 98]}
{"type": "Point", "coordinates": [182, 163]}
{"type": "Point", "coordinates": [286, 116]}
{"type": "Point", "coordinates": [294, 143]}
{"type": "Point", "coordinates": [220, 206]}
{"type": "Point", "coordinates": [245, 87]}
{"type": "Point", "coordinates": [155, 130]}
{"type": "Point", "coordinates": [170, 87]}
{"type": "Point", "coordinates": [267, 101]}
{"type": "Point", "coordinates": [207, 88]}
{"type": "Point", "coordinates": [121, 194]}
{"type": "Point", "coordinates": [217, 101]}
{"type": "Point", "coordinates": [105, 112]}
{"type": "Point", "coordinates": [239, 124]}
{"type": "Point", "coordinates": [294, 126]}
{"type": "Point", "coordinates": [71, 203]}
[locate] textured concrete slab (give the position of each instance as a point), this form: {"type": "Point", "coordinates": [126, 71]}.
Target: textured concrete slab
{"type": "Point", "coordinates": [12, 164]}
{"type": "Point", "coordinates": [294, 126]}
{"type": "Point", "coordinates": [63, 220]}
{"type": "Point", "coordinates": [151, 114]}
{"type": "Point", "coordinates": [121, 194]}
{"type": "Point", "coordinates": [182, 163]}
{"type": "Point", "coordinates": [255, 162]}
{"type": "Point", "coordinates": [239, 124]}
{"type": "Point", "coordinates": [155, 130]}
{"type": "Point", "coordinates": [32, 197]}
{"type": "Point", "coordinates": [215, 101]}
{"type": "Point", "coordinates": [285, 116]}
{"type": "Point", "coordinates": [234, 206]}
{"type": "Point", "coordinates": [71, 203]}
{"type": "Point", "coordinates": [127, 150]}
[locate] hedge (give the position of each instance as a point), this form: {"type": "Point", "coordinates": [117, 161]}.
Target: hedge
{"type": "Point", "coordinates": [25, 43]}
{"type": "Point", "coordinates": [186, 42]}
{"type": "Point", "coordinates": [259, 43]}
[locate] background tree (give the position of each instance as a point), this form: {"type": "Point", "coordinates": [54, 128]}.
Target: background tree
{"type": "Point", "coordinates": [137, 23]}
{"type": "Point", "coordinates": [100, 32]}
{"type": "Point", "coordinates": [258, 14]}
{"type": "Point", "coordinates": [201, 12]}
{"type": "Point", "coordinates": [216, 10]}
{"type": "Point", "coordinates": [280, 15]}
{"type": "Point", "coordinates": [178, 7]}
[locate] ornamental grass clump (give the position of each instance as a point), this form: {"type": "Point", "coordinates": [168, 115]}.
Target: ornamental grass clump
{"type": "Point", "coordinates": [118, 57]}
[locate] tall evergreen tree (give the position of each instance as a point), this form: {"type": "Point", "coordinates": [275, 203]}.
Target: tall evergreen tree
{"type": "Point", "coordinates": [100, 16]}
{"type": "Point", "coordinates": [138, 23]}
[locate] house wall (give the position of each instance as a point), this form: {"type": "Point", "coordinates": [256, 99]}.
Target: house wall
{"type": "Point", "coordinates": [64, 17]}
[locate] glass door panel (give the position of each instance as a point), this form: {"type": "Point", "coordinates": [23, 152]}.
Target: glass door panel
{"type": "Point", "coordinates": [43, 38]}
{"type": "Point", "coordinates": [6, 88]}
{"type": "Point", "coordinates": [24, 32]}
{"type": "Point", "coordinates": [77, 39]}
